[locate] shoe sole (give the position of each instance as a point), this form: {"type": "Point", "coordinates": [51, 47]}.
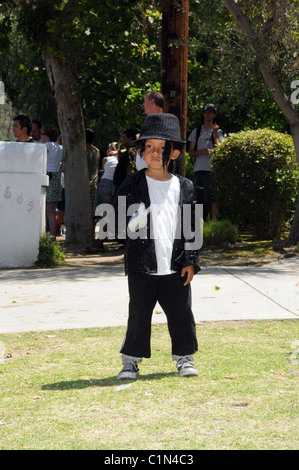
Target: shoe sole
{"type": "Point", "coordinates": [127, 375]}
{"type": "Point", "coordinates": [188, 373]}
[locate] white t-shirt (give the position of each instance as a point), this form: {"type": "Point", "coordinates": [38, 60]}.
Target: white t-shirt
{"type": "Point", "coordinates": [202, 162]}
{"type": "Point", "coordinates": [164, 198]}
{"type": "Point", "coordinates": [109, 167]}
{"type": "Point", "coordinates": [54, 156]}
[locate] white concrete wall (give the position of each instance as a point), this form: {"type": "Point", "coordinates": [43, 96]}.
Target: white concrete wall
{"type": "Point", "coordinates": [23, 181]}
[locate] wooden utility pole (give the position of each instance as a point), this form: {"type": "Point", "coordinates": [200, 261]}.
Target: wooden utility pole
{"type": "Point", "coordinates": [175, 25]}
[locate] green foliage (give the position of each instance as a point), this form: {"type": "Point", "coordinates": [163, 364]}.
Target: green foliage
{"type": "Point", "coordinates": [113, 48]}
{"type": "Point", "coordinates": [5, 28]}
{"type": "Point", "coordinates": [222, 69]}
{"type": "Point", "coordinates": [256, 176]}
{"type": "Point", "coordinates": [26, 83]}
{"type": "Point", "coordinates": [189, 165]}
{"type": "Point", "coordinates": [217, 232]}
{"type": "Point", "coordinates": [123, 63]}
{"type": "Point", "coordinates": [50, 253]}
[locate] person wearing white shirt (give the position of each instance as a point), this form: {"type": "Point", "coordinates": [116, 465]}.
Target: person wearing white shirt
{"type": "Point", "coordinates": [203, 140]}
{"type": "Point", "coordinates": [49, 135]}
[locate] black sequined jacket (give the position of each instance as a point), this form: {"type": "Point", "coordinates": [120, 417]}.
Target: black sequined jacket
{"type": "Point", "coordinates": [140, 255]}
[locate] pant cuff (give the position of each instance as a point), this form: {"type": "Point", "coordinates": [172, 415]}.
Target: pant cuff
{"type": "Point", "coordinates": [126, 359]}
{"type": "Point", "coordinates": [175, 357]}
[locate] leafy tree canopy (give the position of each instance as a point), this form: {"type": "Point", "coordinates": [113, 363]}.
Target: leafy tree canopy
{"type": "Point", "coordinates": [114, 51]}
{"type": "Point", "coordinates": [226, 72]}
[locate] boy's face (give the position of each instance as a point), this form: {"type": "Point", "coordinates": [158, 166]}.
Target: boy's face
{"type": "Point", "coordinates": [153, 153]}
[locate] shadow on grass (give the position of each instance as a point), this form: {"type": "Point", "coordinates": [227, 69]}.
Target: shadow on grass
{"type": "Point", "coordinates": [106, 382]}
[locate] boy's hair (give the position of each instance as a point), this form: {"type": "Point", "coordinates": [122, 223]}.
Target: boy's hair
{"type": "Point", "coordinates": [166, 153]}
{"type": "Point", "coordinates": [24, 121]}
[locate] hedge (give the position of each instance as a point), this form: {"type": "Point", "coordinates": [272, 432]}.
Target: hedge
{"type": "Point", "coordinates": [255, 174]}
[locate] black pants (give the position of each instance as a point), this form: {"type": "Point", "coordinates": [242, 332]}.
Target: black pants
{"type": "Point", "coordinates": [175, 299]}
{"type": "Point", "coordinates": [203, 190]}
{"type": "Point", "coordinates": [202, 181]}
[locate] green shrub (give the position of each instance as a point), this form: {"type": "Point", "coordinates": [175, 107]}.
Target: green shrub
{"type": "Point", "coordinates": [256, 177]}
{"type": "Point", "coordinates": [50, 253]}
{"type": "Point", "coordinates": [216, 232]}
{"type": "Point", "coordinates": [189, 165]}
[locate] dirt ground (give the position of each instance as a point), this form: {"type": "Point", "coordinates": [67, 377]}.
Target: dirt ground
{"type": "Point", "coordinates": [76, 254]}
{"type": "Point", "coordinates": [237, 254]}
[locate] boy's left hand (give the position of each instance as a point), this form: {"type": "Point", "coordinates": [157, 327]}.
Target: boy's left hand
{"type": "Point", "coordinates": [190, 273]}
{"type": "Point", "coordinates": [139, 218]}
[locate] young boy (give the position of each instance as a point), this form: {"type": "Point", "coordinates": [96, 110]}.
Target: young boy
{"type": "Point", "coordinates": [159, 266]}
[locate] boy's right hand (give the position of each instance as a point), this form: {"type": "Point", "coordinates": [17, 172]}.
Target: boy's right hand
{"type": "Point", "coordinates": [189, 270]}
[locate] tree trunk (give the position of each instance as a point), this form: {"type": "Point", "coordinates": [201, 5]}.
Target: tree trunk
{"type": "Point", "coordinates": [288, 109]}
{"type": "Point", "coordinates": [175, 22]}
{"type": "Point", "coordinates": [70, 118]}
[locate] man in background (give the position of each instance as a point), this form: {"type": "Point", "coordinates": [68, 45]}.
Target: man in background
{"type": "Point", "coordinates": [203, 139]}
{"type": "Point", "coordinates": [22, 128]}
{"type": "Point", "coordinates": [36, 131]}
{"type": "Point", "coordinates": [153, 103]}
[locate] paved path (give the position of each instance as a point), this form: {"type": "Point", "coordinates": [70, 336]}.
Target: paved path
{"type": "Point", "coordinates": [32, 300]}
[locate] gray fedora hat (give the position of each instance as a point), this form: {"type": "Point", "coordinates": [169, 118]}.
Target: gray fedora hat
{"type": "Point", "coordinates": [163, 126]}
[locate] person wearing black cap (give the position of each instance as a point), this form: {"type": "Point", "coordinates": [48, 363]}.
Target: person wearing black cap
{"type": "Point", "coordinates": [159, 259]}
{"type": "Point", "coordinates": [203, 140]}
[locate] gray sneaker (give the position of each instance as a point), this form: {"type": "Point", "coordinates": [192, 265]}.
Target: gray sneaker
{"type": "Point", "coordinates": [186, 367]}
{"type": "Point", "coordinates": [129, 371]}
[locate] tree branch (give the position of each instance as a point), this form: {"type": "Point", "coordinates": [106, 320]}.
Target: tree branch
{"type": "Point", "coordinates": [273, 84]}
{"type": "Point", "coordinates": [280, 12]}
{"type": "Point", "coordinates": [240, 18]}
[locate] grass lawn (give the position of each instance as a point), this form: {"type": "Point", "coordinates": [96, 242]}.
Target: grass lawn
{"type": "Point", "coordinates": [59, 391]}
